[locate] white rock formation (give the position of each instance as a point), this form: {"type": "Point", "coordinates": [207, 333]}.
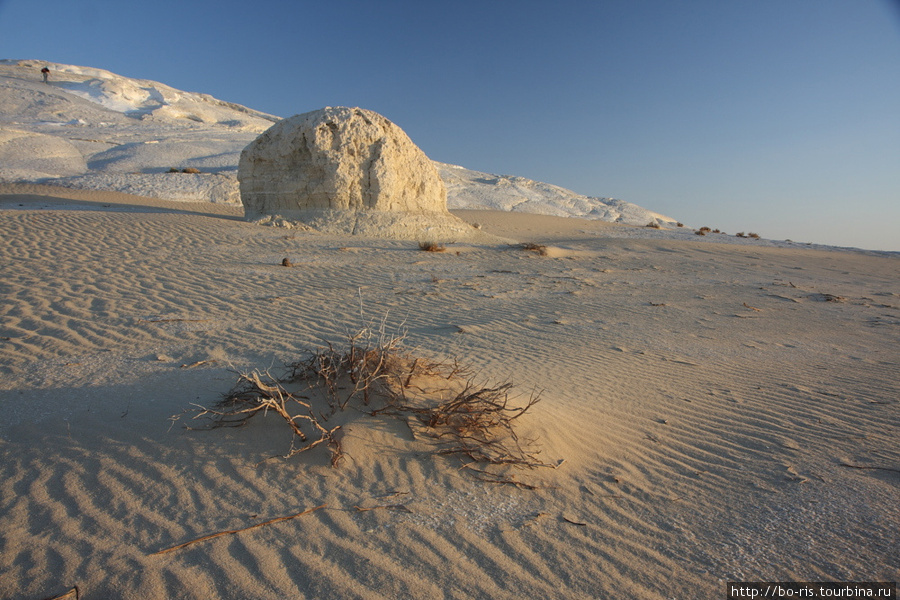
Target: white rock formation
{"type": "Point", "coordinates": [92, 129]}
{"type": "Point", "coordinates": [26, 154]}
{"type": "Point", "coordinates": [346, 170]}
{"type": "Point", "coordinates": [338, 158]}
{"type": "Point", "coordinates": [468, 189]}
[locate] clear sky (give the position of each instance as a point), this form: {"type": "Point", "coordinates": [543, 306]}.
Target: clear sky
{"type": "Point", "coordinates": [780, 117]}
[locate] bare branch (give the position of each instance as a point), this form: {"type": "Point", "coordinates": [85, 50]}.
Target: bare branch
{"type": "Point", "coordinates": [234, 531]}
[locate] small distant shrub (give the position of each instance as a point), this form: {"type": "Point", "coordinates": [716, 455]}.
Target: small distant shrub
{"type": "Point", "coordinates": [705, 229]}
{"type": "Point", "coordinates": [652, 225]}
{"type": "Point", "coordinates": [173, 170]}
{"type": "Point", "coordinates": [755, 236]}
{"type": "Point", "coordinates": [431, 247]}
{"type": "Point", "coordinates": [701, 231]}
{"type": "Point", "coordinates": [740, 234]}
{"type": "Point", "coordinates": [190, 170]}
{"type": "Point", "coordinates": [532, 247]}
{"type": "Point", "coordinates": [680, 224]}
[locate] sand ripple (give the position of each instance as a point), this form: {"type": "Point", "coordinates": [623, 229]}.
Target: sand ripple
{"type": "Point", "coordinates": [706, 400]}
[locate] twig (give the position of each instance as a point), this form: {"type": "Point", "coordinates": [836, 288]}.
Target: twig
{"type": "Point", "coordinates": [535, 519]}
{"type": "Point", "coordinates": [509, 481]}
{"type": "Point", "coordinates": [72, 593]}
{"type": "Point", "coordinates": [395, 493]}
{"type": "Point", "coordinates": [574, 522]}
{"type": "Point", "coordinates": [172, 320]}
{"type": "Point", "coordinates": [234, 531]}
{"type": "Point", "coordinates": [197, 364]}
{"type": "Point", "coordinates": [870, 468]}
{"type": "Point", "coordinates": [397, 507]}
{"type": "Point", "coordinates": [492, 478]}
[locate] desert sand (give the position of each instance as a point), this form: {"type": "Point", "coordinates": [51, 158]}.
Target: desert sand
{"type": "Point", "coordinates": [715, 411]}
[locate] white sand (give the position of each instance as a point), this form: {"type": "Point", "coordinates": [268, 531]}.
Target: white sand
{"type": "Point", "coordinates": [705, 397]}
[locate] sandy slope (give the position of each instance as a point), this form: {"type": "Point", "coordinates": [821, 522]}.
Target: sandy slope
{"type": "Point", "coordinates": [704, 396]}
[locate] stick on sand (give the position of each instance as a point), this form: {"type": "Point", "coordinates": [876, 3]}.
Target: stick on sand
{"type": "Point", "coordinates": [233, 531]}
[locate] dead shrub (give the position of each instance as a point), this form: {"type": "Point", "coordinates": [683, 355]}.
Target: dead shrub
{"type": "Point", "coordinates": [431, 247]}
{"type": "Point", "coordinates": [372, 373]}
{"type": "Point", "coordinates": [532, 247]}
{"type": "Point", "coordinates": [653, 225]}
{"type": "Point", "coordinates": [478, 422]}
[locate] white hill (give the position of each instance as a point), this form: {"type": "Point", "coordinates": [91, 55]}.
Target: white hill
{"type": "Point", "coordinates": [89, 128]}
{"type": "Point", "coordinates": [475, 190]}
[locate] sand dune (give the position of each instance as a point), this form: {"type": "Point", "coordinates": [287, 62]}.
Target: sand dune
{"type": "Point", "coordinates": [723, 411]}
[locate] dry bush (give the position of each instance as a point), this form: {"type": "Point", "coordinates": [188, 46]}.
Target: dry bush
{"type": "Point", "coordinates": [478, 423]}
{"type": "Point", "coordinates": [653, 225]}
{"type": "Point", "coordinates": [532, 247]}
{"type": "Point", "coordinates": [740, 234]}
{"type": "Point", "coordinates": [752, 235]}
{"type": "Point", "coordinates": [257, 393]}
{"type": "Point", "coordinates": [431, 247]}
{"type": "Point", "coordinates": [372, 373]}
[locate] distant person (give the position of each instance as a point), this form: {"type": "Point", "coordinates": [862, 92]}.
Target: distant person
{"type": "Point", "coordinates": [45, 73]}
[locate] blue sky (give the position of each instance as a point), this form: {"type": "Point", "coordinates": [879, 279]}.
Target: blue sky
{"type": "Point", "coordinates": [775, 116]}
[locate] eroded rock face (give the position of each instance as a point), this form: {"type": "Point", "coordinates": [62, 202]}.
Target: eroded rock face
{"type": "Point", "coordinates": [27, 155]}
{"type": "Point", "coordinates": [338, 159]}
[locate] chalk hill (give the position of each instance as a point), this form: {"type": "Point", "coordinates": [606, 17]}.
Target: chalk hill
{"type": "Point", "coordinates": [89, 128]}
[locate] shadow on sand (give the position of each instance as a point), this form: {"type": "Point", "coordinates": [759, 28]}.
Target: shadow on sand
{"type": "Point", "coordinates": [115, 202]}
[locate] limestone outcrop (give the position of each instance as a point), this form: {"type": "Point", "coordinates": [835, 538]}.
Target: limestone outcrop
{"type": "Point", "coordinates": [30, 155]}
{"type": "Point", "coordinates": [346, 170]}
